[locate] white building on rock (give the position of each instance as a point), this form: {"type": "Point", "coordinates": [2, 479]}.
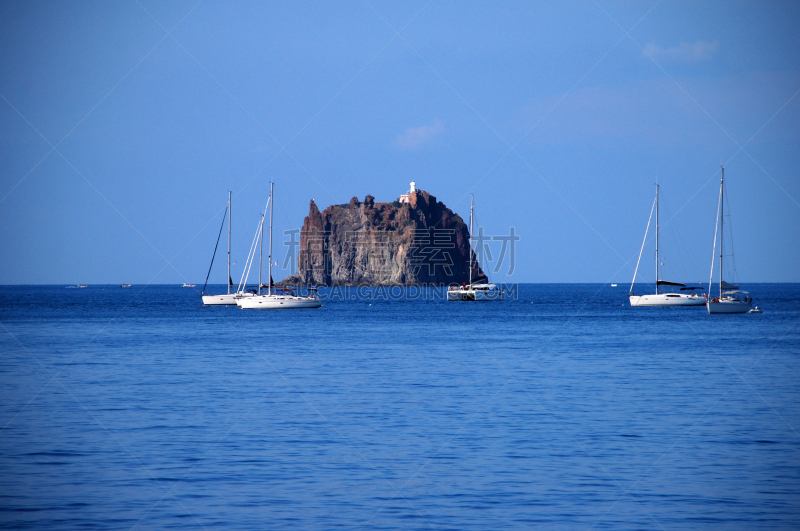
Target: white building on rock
{"type": "Point", "coordinates": [405, 197]}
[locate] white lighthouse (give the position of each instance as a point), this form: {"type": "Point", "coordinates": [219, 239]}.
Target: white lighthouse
{"type": "Point", "coordinates": [405, 197]}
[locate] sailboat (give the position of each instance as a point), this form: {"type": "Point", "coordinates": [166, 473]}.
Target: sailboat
{"type": "Point", "coordinates": [478, 291]}
{"type": "Point", "coordinates": [733, 300]}
{"type": "Point", "coordinates": [227, 299]}
{"type": "Point", "coordinates": [668, 298]}
{"type": "Point", "coordinates": [285, 299]}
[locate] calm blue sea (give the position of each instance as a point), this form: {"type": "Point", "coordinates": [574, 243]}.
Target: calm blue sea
{"type": "Point", "coordinates": [562, 409]}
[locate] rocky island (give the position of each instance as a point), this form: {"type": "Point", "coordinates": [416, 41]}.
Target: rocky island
{"type": "Point", "coordinates": [413, 241]}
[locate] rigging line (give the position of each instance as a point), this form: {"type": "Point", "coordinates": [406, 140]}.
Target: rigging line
{"type": "Point", "coordinates": [257, 239]}
{"type": "Point", "coordinates": [714, 249]}
{"type": "Point", "coordinates": [735, 273]}
{"type": "Point", "coordinates": [288, 224]}
{"type": "Point", "coordinates": [482, 254]}
{"type": "Point", "coordinates": [643, 242]}
{"type": "Point", "coordinates": [472, 237]}
{"type": "Point", "coordinates": [215, 251]}
{"type": "Point", "coordinates": [250, 254]}
{"type": "Point", "coordinates": [677, 240]}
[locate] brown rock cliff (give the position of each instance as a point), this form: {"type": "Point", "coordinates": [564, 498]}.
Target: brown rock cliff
{"type": "Point", "coordinates": [384, 244]}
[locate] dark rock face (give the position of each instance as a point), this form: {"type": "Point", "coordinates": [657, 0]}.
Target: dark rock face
{"type": "Point", "coordinates": [384, 244]}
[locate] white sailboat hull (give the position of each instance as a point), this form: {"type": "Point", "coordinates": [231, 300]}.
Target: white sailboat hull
{"type": "Point", "coordinates": [667, 299]}
{"type": "Point", "coordinates": [460, 295]}
{"type": "Point", "coordinates": [220, 300]}
{"type": "Point", "coordinates": [239, 297]}
{"type": "Point", "coordinates": [278, 302]}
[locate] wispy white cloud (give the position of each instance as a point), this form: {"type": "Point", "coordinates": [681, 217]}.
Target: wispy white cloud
{"type": "Point", "coordinates": [416, 137]}
{"type": "Point", "coordinates": [685, 51]}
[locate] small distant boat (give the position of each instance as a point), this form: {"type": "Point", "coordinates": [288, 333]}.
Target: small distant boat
{"type": "Point", "coordinates": [125, 285]}
{"type": "Point", "coordinates": [756, 310]}
{"type": "Point", "coordinates": [475, 292]}
{"type": "Point", "coordinates": [185, 285]}
{"type": "Point", "coordinates": [613, 285]}
{"type": "Point", "coordinates": [83, 285]}
{"type": "Point", "coordinates": [732, 301]}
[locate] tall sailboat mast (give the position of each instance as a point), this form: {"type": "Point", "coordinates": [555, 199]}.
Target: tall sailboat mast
{"type": "Point", "coordinates": [271, 210]}
{"type": "Point", "coordinates": [656, 238]}
{"type": "Point", "coordinates": [732, 301]}
{"type": "Point", "coordinates": [721, 223]}
{"type": "Point", "coordinates": [260, 253]}
{"type": "Point", "coordinates": [229, 242]}
{"type": "Point", "coordinates": [471, 209]}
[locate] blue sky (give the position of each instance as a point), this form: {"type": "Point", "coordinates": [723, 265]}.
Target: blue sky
{"type": "Point", "coordinates": [560, 118]}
